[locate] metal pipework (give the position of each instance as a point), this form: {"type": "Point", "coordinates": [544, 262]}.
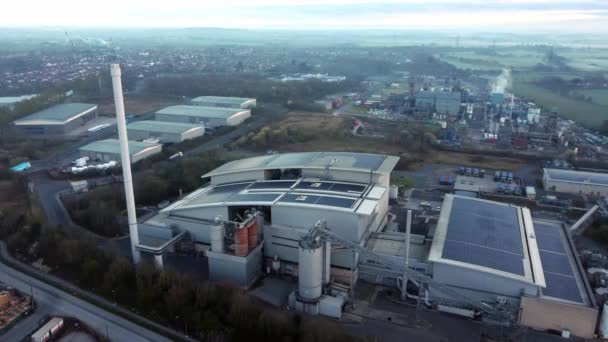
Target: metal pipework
{"type": "Point", "coordinates": [125, 160]}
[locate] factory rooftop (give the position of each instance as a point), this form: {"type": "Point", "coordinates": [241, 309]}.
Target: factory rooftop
{"type": "Point", "coordinates": [362, 162]}
{"type": "Point", "coordinates": [163, 127]}
{"type": "Point", "coordinates": [488, 237]}
{"type": "Point", "coordinates": [572, 176]}
{"type": "Point", "coordinates": [57, 115]}
{"type": "Point", "coordinates": [200, 111]}
{"type": "Point", "coordinates": [222, 99]}
{"type": "Point", "coordinates": [341, 196]}
{"type": "Point", "coordinates": [113, 146]}
{"type": "Point", "coordinates": [9, 100]}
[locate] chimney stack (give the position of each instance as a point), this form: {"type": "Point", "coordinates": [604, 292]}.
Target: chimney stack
{"type": "Point", "coordinates": [125, 160]}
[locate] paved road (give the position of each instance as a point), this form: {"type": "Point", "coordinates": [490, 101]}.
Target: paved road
{"type": "Point", "coordinates": [27, 325]}
{"type": "Point", "coordinates": [62, 303]}
{"type": "Point", "coordinates": [47, 190]}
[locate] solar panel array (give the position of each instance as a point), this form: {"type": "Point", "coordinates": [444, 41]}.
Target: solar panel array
{"type": "Point", "coordinates": [255, 197]}
{"type": "Point", "coordinates": [319, 200]}
{"type": "Point", "coordinates": [559, 276]}
{"type": "Point", "coordinates": [272, 185]}
{"type": "Point", "coordinates": [332, 186]}
{"type": "Point", "coordinates": [484, 234]}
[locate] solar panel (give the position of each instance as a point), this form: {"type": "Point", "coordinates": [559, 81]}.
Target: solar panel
{"type": "Point", "coordinates": [341, 187]}
{"type": "Point", "coordinates": [319, 200]}
{"type": "Point", "coordinates": [272, 185]}
{"type": "Point", "coordinates": [331, 186]}
{"type": "Point", "coordinates": [557, 267]}
{"type": "Point", "coordinates": [300, 198]}
{"type": "Point", "coordinates": [485, 257]}
{"type": "Point", "coordinates": [555, 263]}
{"type": "Point", "coordinates": [314, 185]}
{"type": "Point", "coordinates": [550, 242]}
{"type": "Point", "coordinates": [561, 286]}
{"type": "Point", "coordinates": [255, 197]}
{"type": "Point", "coordinates": [336, 202]}
{"type": "Point", "coordinates": [484, 234]}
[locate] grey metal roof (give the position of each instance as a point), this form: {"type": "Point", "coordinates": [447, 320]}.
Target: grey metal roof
{"type": "Point", "coordinates": [59, 113]}
{"type": "Point", "coordinates": [15, 99]}
{"type": "Point", "coordinates": [572, 176]}
{"type": "Point", "coordinates": [200, 111]}
{"type": "Point", "coordinates": [222, 99]}
{"type": "Point", "coordinates": [113, 146]}
{"type": "Point", "coordinates": [363, 162]}
{"type": "Point", "coordinates": [162, 127]}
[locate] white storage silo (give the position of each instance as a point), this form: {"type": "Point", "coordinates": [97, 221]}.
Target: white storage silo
{"type": "Point", "coordinates": [310, 272]}
{"type": "Point", "coordinates": [217, 236]}
{"type": "Point", "coordinates": [393, 192]}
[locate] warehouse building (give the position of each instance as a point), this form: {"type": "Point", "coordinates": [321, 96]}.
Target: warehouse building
{"type": "Point", "coordinates": [165, 132]}
{"type": "Point", "coordinates": [575, 182]}
{"type": "Point", "coordinates": [210, 117]}
{"type": "Point", "coordinates": [227, 102]}
{"type": "Point", "coordinates": [109, 150]}
{"type": "Point", "coordinates": [58, 120]}
{"type": "Point", "coordinates": [11, 101]}
{"type": "Point", "coordinates": [292, 191]}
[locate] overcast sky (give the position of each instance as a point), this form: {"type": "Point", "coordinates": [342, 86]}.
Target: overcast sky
{"type": "Point", "coordinates": [495, 15]}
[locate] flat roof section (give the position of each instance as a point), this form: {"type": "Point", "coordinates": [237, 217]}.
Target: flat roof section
{"type": "Point", "coordinates": [486, 236]}
{"type": "Point", "coordinates": [571, 176]}
{"type": "Point", "coordinates": [256, 197]}
{"type": "Point", "coordinates": [58, 114]}
{"type": "Point", "coordinates": [222, 99]}
{"type": "Point", "coordinates": [200, 111]}
{"type": "Point", "coordinates": [113, 146]}
{"type": "Point", "coordinates": [558, 264]}
{"type": "Point", "coordinates": [14, 99]}
{"type": "Point", "coordinates": [162, 127]}
{"type": "Point", "coordinates": [350, 161]}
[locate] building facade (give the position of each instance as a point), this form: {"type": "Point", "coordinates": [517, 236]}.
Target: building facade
{"type": "Point", "coordinates": [576, 182]}
{"type": "Point", "coordinates": [109, 150]}
{"type": "Point", "coordinates": [209, 117]}
{"type": "Point", "coordinates": [165, 132]}
{"type": "Point", "coordinates": [58, 120]}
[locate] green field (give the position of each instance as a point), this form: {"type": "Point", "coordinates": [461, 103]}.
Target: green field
{"type": "Point", "coordinates": [587, 114]}
{"type": "Point", "coordinates": [584, 62]}
{"type": "Point", "coordinates": [599, 96]}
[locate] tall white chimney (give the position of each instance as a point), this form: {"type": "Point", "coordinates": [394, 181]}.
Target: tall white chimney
{"type": "Point", "coordinates": [125, 160]}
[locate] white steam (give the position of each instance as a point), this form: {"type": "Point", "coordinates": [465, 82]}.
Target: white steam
{"type": "Point", "coordinates": [501, 82]}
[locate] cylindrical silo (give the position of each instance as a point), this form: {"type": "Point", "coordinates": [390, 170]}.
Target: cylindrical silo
{"type": "Point", "coordinates": [217, 237]}
{"type": "Point", "coordinates": [252, 234]}
{"type": "Point", "coordinates": [310, 269]}
{"type": "Point", "coordinates": [393, 192]}
{"type": "Point", "coordinates": [241, 241]}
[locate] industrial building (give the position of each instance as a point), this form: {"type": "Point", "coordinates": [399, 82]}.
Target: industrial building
{"type": "Point", "coordinates": [210, 117]}
{"type": "Point", "coordinates": [442, 102]}
{"type": "Point", "coordinates": [109, 150]}
{"type": "Point", "coordinates": [57, 120]}
{"type": "Point", "coordinates": [575, 182]}
{"type": "Point", "coordinates": [11, 101]}
{"type": "Point", "coordinates": [292, 192]}
{"type": "Point", "coordinates": [165, 132]}
{"type": "Point", "coordinates": [320, 216]}
{"type": "Point", "coordinates": [227, 102]}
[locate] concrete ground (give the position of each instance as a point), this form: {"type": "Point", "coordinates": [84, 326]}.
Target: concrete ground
{"type": "Point", "coordinates": [378, 315]}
